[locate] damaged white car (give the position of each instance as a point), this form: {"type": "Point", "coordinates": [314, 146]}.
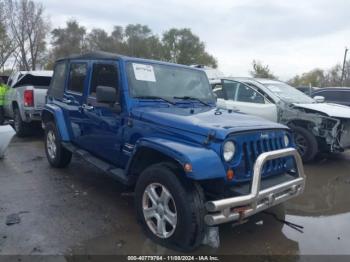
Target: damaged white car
{"type": "Point", "coordinates": [318, 127]}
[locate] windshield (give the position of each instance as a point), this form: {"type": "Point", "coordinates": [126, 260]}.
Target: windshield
{"type": "Point", "coordinates": [288, 93]}
{"type": "Point", "coordinates": [168, 82]}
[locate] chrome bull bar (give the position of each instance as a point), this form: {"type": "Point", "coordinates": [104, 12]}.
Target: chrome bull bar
{"type": "Point", "coordinates": [237, 208]}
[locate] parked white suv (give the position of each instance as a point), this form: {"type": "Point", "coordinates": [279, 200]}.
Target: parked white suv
{"type": "Point", "coordinates": [317, 126]}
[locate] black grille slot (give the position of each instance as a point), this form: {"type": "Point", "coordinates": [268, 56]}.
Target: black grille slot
{"type": "Point", "coordinates": [252, 149]}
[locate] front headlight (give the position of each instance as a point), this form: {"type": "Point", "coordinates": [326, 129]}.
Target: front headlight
{"type": "Point", "coordinates": [286, 140]}
{"type": "Point", "coordinates": [229, 151]}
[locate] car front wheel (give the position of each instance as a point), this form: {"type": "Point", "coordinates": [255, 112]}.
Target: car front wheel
{"type": "Point", "coordinates": [170, 210]}
{"type": "Point", "coordinates": [306, 143]}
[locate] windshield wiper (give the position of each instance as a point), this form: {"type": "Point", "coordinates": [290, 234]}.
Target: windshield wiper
{"type": "Point", "coordinates": [191, 98]}
{"type": "Point", "coordinates": [156, 97]}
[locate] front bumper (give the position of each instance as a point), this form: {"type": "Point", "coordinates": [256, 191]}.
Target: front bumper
{"type": "Point", "coordinates": [239, 207]}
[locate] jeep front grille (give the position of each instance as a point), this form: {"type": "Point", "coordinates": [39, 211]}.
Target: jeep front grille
{"type": "Point", "coordinates": [252, 145]}
{"type": "Point", "coordinates": [252, 149]}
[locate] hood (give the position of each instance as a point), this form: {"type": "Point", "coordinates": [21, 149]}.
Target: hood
{"type": "Point", "coordinates": [203, 120]}
{"type": "Point", "coordinates": [332, 110]}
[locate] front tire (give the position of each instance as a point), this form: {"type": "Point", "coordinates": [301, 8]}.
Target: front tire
{"type": "Point", "coordinates": [170, 211]}
{"type": "Point", "coordinates": [56, 154]}
{"type": "Point", "coordinates": [306, 143]}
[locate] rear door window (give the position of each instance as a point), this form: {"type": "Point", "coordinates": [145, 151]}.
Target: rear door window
{"type": "Point", "coordinates": [77, 77]}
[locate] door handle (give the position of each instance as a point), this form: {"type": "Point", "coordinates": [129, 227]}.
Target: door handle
{"type": "Point", "coordinates": [67, 101]}
{"type": "Point", "coordinates": [87, 107]}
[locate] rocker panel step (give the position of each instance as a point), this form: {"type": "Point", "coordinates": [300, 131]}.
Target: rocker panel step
{"type": "Point", "coordinates": [109, 169]}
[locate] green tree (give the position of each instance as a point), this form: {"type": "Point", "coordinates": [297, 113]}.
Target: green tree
{"type": "Point", "coordinates": [333, 76]}
{"type": "Point", "coordinates": [141, 42]}
{"type": "Point", "coordinates": [261, 71]}
{"type": "Point", "coordinates": [183, 47]}
{"type": "Point", "coordinates": [316, 77]}
{"type": "Point", "coordinates": [98, 39]}
{"type": "Point", "coordinates": [176, 45]}
{"type": "Point", "coordinates": [69, 40]}
{"type": "Point", "coordinates": [117, 36]}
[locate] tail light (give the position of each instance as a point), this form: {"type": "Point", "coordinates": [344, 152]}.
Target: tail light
{"type": "Point", "coordinates": [28, 98]}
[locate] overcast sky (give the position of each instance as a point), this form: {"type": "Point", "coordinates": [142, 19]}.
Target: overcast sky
{"type": "Point", "coordinates": [291, 37]}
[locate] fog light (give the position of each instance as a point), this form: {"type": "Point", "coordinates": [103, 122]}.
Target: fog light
{"type": "Point", "coordinates": [230, 174]}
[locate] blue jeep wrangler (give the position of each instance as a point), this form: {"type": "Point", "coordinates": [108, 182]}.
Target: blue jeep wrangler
{"type": "Point", "coordinates": [154, 126]}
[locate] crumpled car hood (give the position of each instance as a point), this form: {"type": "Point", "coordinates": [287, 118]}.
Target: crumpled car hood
{"type": "Point", "coordinates": [332, 110]}
{"type": "Point", "coordinates": [203, 120]}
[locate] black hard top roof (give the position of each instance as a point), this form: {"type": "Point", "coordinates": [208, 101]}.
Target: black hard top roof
{"type": "Point", "coordinates": [100, 55]}
{"type": "Point", "coordinates": [94, 55]}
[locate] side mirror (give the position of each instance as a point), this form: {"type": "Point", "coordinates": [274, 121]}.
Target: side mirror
{"type": "Point", "coordinates": [106, 95]}
{"type": "Point", "coordinates": [219, 93]}
{"type": "Point", "coordinates": [319, 99]}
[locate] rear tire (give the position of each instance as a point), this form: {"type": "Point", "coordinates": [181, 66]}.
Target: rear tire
{"type": "Point", "coordinates": [184, 205]}
{"type": "Point", "coordinates": [56, 154]}
{"type": "Point", "coordinates": [22, 128]}
{"type": "Point", "coordinates": [306, 143]}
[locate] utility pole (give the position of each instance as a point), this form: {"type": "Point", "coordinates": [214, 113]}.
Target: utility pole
{"type": "Point", "coordinates": [343, 71]}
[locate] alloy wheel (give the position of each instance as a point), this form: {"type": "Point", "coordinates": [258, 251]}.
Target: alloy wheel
{"type": "Point", "coordinates": [51, 144]}
{"type": "Point", "coordinates": [159, 210]}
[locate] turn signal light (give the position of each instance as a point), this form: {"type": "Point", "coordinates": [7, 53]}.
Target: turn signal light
{"type": "Point", "coordinates": [230, 174]}
{"type": "Point", "coordinates": [188, 168]}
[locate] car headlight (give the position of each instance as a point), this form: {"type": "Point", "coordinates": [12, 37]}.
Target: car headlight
{"type": "Point", "coordinates": [286, 140]}
{"type": "Point", "coordinates": [229, 151]}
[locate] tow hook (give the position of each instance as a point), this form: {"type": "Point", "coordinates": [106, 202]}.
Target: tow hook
{"type": "Point", "coordinates": [240, 211]}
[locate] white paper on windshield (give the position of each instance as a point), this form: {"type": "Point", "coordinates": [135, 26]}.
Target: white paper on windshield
{"type": "Point", "coordinates": [144, 72]}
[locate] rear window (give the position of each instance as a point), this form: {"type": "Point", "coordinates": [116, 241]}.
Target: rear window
{"type": "Point", "coordinates": [57, 84]}
{"type": "Point", "coordinates": [37, 81]}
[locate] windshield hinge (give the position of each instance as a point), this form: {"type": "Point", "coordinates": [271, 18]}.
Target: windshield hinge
{"type": "Point", "coordinates": [211, 136]}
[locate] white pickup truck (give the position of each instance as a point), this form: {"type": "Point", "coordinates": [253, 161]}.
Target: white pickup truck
{"type": "Point", "coordinates": [26, 99]}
